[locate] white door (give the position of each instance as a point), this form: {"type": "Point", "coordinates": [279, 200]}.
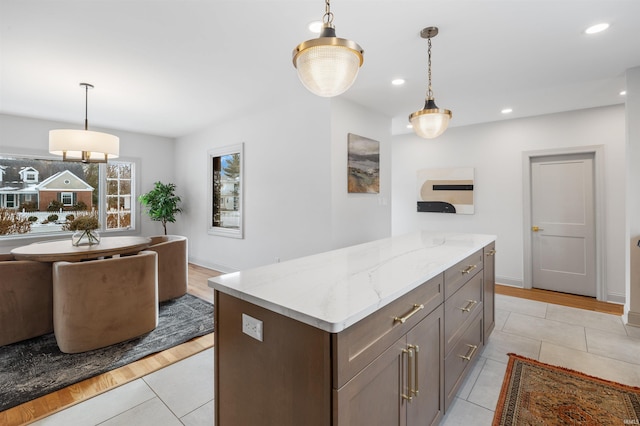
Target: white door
{"type": "Point", "coordinates": [563, 224]}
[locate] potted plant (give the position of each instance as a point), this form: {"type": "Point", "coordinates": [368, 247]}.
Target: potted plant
{"type": "Point", "coordinates": [162, 203]}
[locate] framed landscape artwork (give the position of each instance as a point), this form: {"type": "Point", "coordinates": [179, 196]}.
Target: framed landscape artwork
{"type": "Point", "coordinates": [363, 158]}
{"type": "Point", "coordinates": [446, 190]}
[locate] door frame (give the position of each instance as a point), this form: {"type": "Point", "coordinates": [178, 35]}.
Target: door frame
{"type": "Point", "coordinates": [598, 182]}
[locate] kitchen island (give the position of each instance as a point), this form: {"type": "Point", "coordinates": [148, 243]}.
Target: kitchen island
{"type": "Point", "coordinates": [378, 333]}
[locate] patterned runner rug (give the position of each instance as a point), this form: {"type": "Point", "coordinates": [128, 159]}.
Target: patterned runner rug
{"type": "Point", "coordinates": [534, 393]}
{"type": "Point", "coordinates": [36, 367]}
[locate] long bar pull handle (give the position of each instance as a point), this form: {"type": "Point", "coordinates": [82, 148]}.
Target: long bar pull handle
{"type": "Point", "coordinates": [414, 311]}
{"type": "Point", "coordinates": [468, 269]}
{"type": "Point", "coordinates": [470, 353]}
{"type": "Point", "coordinates": [416, 388]}
{"type": "Point", "coordinates": [408, 396]}
{"type": "Point", "coordinates": [469, 306]}
{"type": "Point", "coordinates": [491, 252]}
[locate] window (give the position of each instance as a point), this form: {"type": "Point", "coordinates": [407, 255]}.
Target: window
{"type": "Point", "coordinates": [66, 198]}
{"type": "Point", "coordinates": [68, 188]}
{"type": "Point", "coordinates": [10, 200]}
{"type": "Point", "coordinates": [119, 195]}
{"type": "Point", "coordinates": [225, 191]}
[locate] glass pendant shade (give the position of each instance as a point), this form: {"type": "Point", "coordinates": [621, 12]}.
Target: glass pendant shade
{"type": "Point", "coordinates": [328, 65]}
{"type": "Point", "coordinates": [83, 145]}
{"type": "Point", "coordinates": [431, 121]}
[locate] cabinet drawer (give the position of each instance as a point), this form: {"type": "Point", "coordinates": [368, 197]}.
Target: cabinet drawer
{"type": "Point", "coordinates": [458, 362]}
{"type": "Point", "coordinates": [460, 273]}
{"type": "Point", "coordinates": [358, 345]}
{"type": "Point", "coordinates": [460, 309]}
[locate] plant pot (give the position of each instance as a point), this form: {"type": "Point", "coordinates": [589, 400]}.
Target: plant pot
{"type": "Point", "coordinates": [89, 237]}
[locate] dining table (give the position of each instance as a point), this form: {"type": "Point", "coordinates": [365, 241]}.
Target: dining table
{"type": "Point", "coordinates": [63, 250]}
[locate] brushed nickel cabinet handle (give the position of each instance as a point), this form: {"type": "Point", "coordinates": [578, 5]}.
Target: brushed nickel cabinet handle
{"type": "Point", "coordinates": [469, 306]}
{"type": "Point", "coordinates": [415, 310]}
{"type": "Point", "coordinates": [491, 252]}
{"type": "Point", "coordinates": [468, 269]}
{"type": "Point", "coordinates": [470, 353]}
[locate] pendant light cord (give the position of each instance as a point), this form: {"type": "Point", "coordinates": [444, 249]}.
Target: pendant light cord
{"type": "Point", "coordinates": [429, 90]}
{"type": "Point", "coordinates": [86, 107]}
{"type": "Point", "coordinates": [328, 15]}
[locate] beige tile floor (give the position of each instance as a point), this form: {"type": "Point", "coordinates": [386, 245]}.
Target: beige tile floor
{"type": "Point", "coordinates": [597, 344]}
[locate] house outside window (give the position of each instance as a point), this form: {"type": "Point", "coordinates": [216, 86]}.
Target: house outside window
{"type": "Point", "coordinates": [37, 187]}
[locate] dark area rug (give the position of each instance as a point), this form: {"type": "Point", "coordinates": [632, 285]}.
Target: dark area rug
{"type": "Point", "coordinates": [36, 367]}
{"type": "Point", "coordinates": [534, 393]}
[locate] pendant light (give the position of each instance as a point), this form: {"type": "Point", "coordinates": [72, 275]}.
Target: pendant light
{"type": "Point", "coordinates": [328, 65]}
{"type": "Point", "coordinates": [431, 121]}
{"type": "Point", "coordinates": [84, 145]}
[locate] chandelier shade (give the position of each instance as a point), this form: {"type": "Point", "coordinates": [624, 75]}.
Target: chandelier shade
{"type": "Point", "coordinates": [328, 66]}
{"type": "Point", "coordinates": [431, 121]}
{"type": "Point", "coordinates": [84, 146]}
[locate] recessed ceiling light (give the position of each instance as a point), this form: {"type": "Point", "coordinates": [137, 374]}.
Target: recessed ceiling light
{"type": "Point", "coordinates": [506, 111]}
{"type": "Point", "coordinates": [398, 81]}
{"type": "Point", "coordinates": [597, 28]}
{"type": "Point", "coordinates": [315, 27]}
{"type": "Point", "coordinates": [622, 93]}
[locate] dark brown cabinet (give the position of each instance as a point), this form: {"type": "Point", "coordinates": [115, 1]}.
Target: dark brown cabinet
{"type": "Point", "coordinates": [489, 289]}
{"type": "Point", "coordinates": [401, 365]}
{"type": "Point", "coordinates": [463, 316]}
{"type": "Point", "coordinates": [402, 386]}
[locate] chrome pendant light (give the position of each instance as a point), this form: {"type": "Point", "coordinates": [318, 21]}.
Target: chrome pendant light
{"type": "Point", "coordinates": [431, 121]}
{"type": "Point", "coordinates": [328, 65]}
{"type": "Point", "coordinates": [84, 145]}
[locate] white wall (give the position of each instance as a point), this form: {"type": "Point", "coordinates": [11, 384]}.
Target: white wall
{"type": "Point", "coordinates": [295, 195]}
{"type": "Point", "coordinates": [632, 306]}
{"type": "Point", "coordinates": [286, 186]}
{"type": "Point", "coordinates": [495, 151]}
{"type": "Point", "coordinates": [30, 136]}
{"type": "Point", "coordinates": [358, 218]}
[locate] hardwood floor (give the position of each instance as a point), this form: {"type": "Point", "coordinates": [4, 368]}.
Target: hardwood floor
{"type": "Point", "coordinates": [571, 300]}
{"type": "Point", "coordinates": [198, 275]}
{"type": "Point", "coordinates": [64, 398]}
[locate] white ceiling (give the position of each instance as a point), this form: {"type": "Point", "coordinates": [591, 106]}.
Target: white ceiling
{"type": "Point", "coordinates": [172, 67]}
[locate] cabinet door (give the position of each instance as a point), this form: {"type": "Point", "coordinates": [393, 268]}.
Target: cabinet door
{"type": "Point", "coordinates": [489, 289]}
{"type": "Point", "coordinates": [427, 407]}
{"type": "Point", "coordinates": [373, 396]}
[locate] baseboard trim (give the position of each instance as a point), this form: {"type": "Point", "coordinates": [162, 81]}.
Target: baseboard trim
{"type": "Point", "coordinates": [633, 319]}
{"type": "Point", "coordinates": [512, 282]}
{"type": "Point", "coordinates": [215, 266]}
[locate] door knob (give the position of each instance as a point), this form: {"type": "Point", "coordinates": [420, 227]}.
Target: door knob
{"type": "Point", "coordinates": [536, 229]}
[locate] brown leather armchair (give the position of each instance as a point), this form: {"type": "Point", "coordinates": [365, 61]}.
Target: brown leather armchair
{"type": "Point", "coordinates": [98, 303]}
{"type": "Point", "coordinates": [172, 265]}
{"type": "Point", "coordinates": [26, 299]}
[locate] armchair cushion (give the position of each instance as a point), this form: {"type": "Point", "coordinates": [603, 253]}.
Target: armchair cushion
{"type": "Point", "coordinates": [26, 300]}
{"type": "Point", "coordinates": [101, 302]}
{"type": "Point", "coordinates": [172, 265]}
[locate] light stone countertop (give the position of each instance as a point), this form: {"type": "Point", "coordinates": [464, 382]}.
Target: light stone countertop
{"type": "Point", "coordinates": [338, 288]}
